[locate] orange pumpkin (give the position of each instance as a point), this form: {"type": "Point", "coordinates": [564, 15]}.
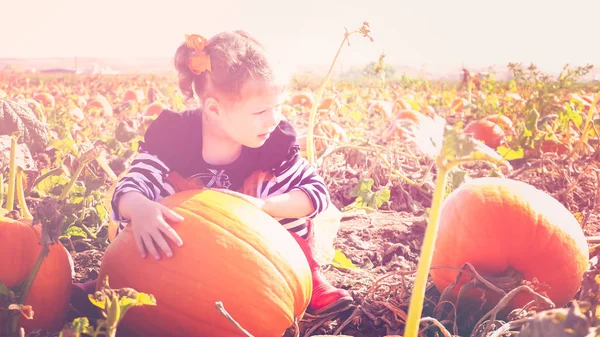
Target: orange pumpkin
{"type": "Point", "coordinates": [232, 252]}
{"type": "Point", "coordinates": [326, 129]}
{"type": "Point", "coordinates": [458, 104]}
{"type": "Point", "coordinates": [99, 102]}
{"type": "Point", "coordinates": [154, 109]}
{"type": "Point", "coordinates": [488, 132]}
{"type": "Point", "coordinates": [46, 99]}
{"type": "Point", "coordinates": [50, 292]}
{"type": "Point", "coordinates": [133, 95]}
{"type": "Point", "coordinates": [503, 122]}
{"type": "Point", "coordinates": [380, 107]}
{"type": "Point", "coordinates": [402, 104]}
{"type": "Point", "coordinates": [329, 103]}
{"type": "Point", "coordinates": [304, 99]}
{"type": "Point", "coordinates": [496, 224]}
{"type": "Point", "coordinates": [403, 121]}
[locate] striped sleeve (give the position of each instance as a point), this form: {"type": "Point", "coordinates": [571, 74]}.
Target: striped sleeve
{"type": "Point", "coordinates": [297, 173]}
{"type": "Point", "coordinates": [147, 175]}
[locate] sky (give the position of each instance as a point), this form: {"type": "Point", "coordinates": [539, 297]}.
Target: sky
{"type": "Point", "coordinates": [432, 33]}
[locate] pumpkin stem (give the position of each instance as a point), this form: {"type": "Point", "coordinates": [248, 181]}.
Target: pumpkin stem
{"type": "Point", "coordinates": [221, 308]}
{"type": "Point", "coordinates": [25, 213]}
{"type": "Point", "coordinates": [12, 174]}
{"type": "Point", "coordinates": [507, 280]}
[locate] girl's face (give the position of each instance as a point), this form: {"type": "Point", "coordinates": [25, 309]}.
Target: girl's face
{"type": "Point", "coordinates": [250, 120]}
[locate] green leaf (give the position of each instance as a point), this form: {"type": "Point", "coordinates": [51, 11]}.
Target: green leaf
{"type": "Point", "coordinates": [140, 299]}
{"type": "Point", "coordinates": [340, 261]}
{"type": "Point", "coordinates": [49, 185]}
{"type": "Point", "coordinates": [102, 211]}
{"type": "Point", "coordinates": [510, 154]}
{"type": "Point", "coordinates": [75, 231]}
{"type": "Point", "coordinates": [381, 197]}
{"type": "Point", "coordinates": [99, 304]}
{"type": "Point", "coordinates": [66, 145]}
{"type": "Point", "coordinates": [81, 325]}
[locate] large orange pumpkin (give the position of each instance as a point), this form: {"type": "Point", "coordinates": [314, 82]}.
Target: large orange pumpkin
{"type": "Point", "coordinates": [50, 292]}
{"type": "Point", "coordinates": [232, 252]}
{"type": "Point", "coordinates": [496, 224]}
{"type": "Point", "coordinates": [488, 132]}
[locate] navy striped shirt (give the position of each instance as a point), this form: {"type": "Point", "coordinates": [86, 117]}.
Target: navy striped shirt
{"type": "Point", "coordinates": [172, 146]}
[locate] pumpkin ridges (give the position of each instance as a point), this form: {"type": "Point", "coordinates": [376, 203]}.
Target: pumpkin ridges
{"type": "Point", "coordinates": [263, 247]}
{"type": "Point", "coordinates": [276, 312]}
{"type": "Point", "coordinates": [254, 248]}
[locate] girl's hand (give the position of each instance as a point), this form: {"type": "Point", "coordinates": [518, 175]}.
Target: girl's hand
{"type": "Point", "coordinates": [149, 223]}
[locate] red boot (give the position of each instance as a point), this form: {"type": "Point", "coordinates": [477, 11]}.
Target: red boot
{"type": "Point", "coordinates": [325, 297]}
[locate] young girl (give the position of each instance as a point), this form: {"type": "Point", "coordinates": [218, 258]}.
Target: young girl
{"type": "Point", "coordinates": [237, 134]}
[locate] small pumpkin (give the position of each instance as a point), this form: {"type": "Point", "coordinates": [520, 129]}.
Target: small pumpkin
{"type": "Point", "coordinates": [458, 104]}
{"type": "Point", "coordinates": [503, 122]}
{"type": "Point", "coordinates": [154, 109]}
{"type": "Point", "coordinates": [133, 95]}
{"type": "Point", "coordinates": [497, 224]}
{"type": "Point", "coordinates": [50, 292]}
{"type": "Point", "coordinates": [404, 122]}
{"type": "Point", "coordinates": [402, 104]}
{"type": "Point", "coordinates": [329, 103]}
{"type": "Point", "coordinates": [232, 252]}
{"type": "Point", "coordinates": [99, 102]}
{"type": "Point", "coordinates": [488, 132]}
{"type": "Point", "coordinates": [305, 99]}
{"type": "Point", "coordinates": [380, 107]}
{"type": "Point", "coordinates": [326, 129]}
{"type": "Point", "coordinates": [46, 99]}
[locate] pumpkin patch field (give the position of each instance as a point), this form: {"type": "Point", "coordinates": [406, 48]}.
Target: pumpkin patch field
{"type": "Point", "coordinates": [467, 208]}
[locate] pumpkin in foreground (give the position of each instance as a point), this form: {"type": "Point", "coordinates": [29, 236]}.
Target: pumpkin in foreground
{"type": "Point", "coordinates": [232, 252]}
{"type": "Point", "coordinates": [496, 224]}
{"type": "Point", "coordinates": [50, 292]}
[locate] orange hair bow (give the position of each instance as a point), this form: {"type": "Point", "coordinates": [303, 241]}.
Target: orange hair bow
{"type": "Point", "coordinates": [199, 60]}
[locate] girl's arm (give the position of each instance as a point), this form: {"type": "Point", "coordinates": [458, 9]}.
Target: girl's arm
{"type": "Point", "coordinates": [296, 190]}
{"type": "Point", "coordinates": [147, 176]}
